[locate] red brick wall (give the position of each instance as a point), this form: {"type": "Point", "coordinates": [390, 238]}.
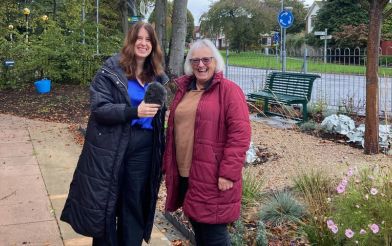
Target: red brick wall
{"type": "Point", "coordinates": [386, 47]}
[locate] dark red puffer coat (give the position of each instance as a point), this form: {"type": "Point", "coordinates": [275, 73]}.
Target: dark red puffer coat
{"type": "Point", "coordinates": [222, 137]}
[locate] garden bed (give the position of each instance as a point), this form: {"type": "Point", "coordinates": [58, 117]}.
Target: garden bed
{"type": "Point", "coordinates": [284, 153]}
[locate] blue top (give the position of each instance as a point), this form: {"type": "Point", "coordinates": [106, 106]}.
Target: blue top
{"type": "Point", "coordinates": [136, 93]}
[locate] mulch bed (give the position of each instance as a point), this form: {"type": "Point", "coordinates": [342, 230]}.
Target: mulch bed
{"type": "Point", "coordinates": [64, 103]}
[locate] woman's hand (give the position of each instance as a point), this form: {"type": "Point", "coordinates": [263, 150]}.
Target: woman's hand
{"type": "Point", "coordinates": [224, 184]}
{"type": "Point", "coordinates": [147, 109]}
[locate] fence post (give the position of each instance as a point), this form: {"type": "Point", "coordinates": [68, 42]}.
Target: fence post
{"type": "Point", "coordinates": [227, 61]}
{"type": "Point", "coordinates": [305, 60]}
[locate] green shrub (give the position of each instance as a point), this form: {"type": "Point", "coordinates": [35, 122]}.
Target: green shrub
{"type": "Point", "coordinates": [281, 208]}
{"type": "Point", "coordinates": [252, 186]}
{"type": "Point", "coordinates": [237, 237]}
{"type": "Point", "coordinates": [385, 60]}
{"type": "Point", "coordinates": [316, 191]}
{"type": "Point", "coordinates": [261, 236]}
{"type": "Point", "coordinates": [318, 107]}
{"type": "Point", "coordinates": [310, 126]}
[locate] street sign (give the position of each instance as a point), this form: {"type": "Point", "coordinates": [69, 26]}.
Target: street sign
{"type": "Point", "coordinates": [285, 19]}
{"type": "Point", "coordinates": [276, 37]}
{"type": "Point", "coordinates": [319, 33]}
{"type": "Point", "coordinates": [326, 37]}
{"type": "Point", "coordinates": [9, 63]}
{"type": "Point", "coordinates": [133, 19]}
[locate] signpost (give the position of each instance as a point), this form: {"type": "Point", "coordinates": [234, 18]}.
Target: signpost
{"type": "Point", "coordinates": [325, 37]}
{"type": "Point", "coordinates": [285, 20]}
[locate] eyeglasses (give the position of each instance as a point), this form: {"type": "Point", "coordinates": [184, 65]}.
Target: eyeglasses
{"type": "Point", "coordinates": [205, 60]}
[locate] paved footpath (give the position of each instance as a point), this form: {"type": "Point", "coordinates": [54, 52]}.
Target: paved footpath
{"type": "Point", "coordinates": [37, 161]}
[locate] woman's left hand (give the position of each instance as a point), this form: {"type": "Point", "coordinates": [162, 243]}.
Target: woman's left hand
{"type": "Point", "coordinates": [224, 184]}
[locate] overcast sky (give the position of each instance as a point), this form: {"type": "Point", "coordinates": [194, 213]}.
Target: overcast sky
{"type": "Point", "coordinates": [198, 7]}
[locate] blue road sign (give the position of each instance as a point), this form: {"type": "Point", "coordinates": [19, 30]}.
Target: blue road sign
{"type": "Point", "coordinates": [276, 37]}
{"type": "Point", "coordinates": [9, 63]}
{"type": "Point", "coordinates": [285, 19]}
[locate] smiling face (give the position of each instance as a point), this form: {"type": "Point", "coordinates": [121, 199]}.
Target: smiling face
{"type": "Point", "coordinates": [143, 45]}
{"type": "Point", "coordinates": [203, 65]}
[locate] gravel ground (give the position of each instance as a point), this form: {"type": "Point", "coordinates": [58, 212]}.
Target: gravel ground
{"type": "Point", "coordinates": [287, 153]}
{"type": "Point", "coordinates": [295, 153]}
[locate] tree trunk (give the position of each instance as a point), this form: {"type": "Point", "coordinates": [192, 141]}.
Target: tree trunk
{"type": "Point", "coordinates": [123, 8]}
{"type": "Point", "coordinates": [177, 46]}
{"type": "Point", "coordinates": [372, 107]}
{"type": "Point", "coordinates": [127, 9]}
{"type": "Point", "coordinates": [160, 25]}
{"type": "Point", "coordinates": [54, 9]}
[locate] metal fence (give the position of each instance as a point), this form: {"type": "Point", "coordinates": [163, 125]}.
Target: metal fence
{"type": "Point", "coordinates": [342, 71]}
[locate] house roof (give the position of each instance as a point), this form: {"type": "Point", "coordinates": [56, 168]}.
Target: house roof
{"type": "Point", "coordinates": [318, 3]}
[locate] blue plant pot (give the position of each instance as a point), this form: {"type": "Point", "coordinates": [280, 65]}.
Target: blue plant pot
{"type": "Point", "coordinates": [42, 86]}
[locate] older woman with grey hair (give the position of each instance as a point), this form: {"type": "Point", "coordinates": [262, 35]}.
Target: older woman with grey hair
{"type": "Point", "coordinates": [207, 137]}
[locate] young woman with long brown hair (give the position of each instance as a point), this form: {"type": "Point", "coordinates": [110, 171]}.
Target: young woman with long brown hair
{"type": "Point", "coordinates": [113, 193]}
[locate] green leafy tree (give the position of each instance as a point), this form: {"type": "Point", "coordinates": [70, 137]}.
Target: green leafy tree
{"type": "Point", "coordinates": [242, 22]}
{"type": "Point", "coordinates": [335, 14]}
{"type": "Point", "coordinates": [386, 29]}
{"type": "Point", "coordinates": [61, 46]}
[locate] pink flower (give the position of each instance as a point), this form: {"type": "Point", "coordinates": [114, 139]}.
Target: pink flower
{"type": "Point", "coordinates": [341, 188]}
{"type": "Point", "coordinates": [362, 231]}
{"type": "Point", "coordinates": [349, 233]}
{"type": "Point", "coordinates": [350, 172]}
{"type": "Point", "coordinates": [374, 227]}
{"type": "Point", "coordinates": [334, 229]}
{"type": "Point", "coordinates": [330, 223]}
{"type": "Point", "coordinates": [373, 191]}
{"type": "Point", "coordinates": [344, 181]}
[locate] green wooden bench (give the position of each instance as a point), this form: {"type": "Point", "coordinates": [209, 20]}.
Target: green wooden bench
{"type": "Point", "coordinates": [286, 88]}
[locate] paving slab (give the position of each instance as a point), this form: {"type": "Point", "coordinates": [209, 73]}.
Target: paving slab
{"type": "Point", "coordinates": [16, 189]}
{"type": "Point", "coordinates": [16, 149]}
{"type": "Point", "coordinates": [18, 160]}
{"type": "Point", "coordinates": [18, 171]}
{"type": "Point", "coordinates": [14, 136]}
{"type": "Point", "coordinates": [40, 233]}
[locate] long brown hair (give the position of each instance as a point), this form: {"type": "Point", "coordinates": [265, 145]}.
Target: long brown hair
{"type": "Point", "coordinates": [153, 63]}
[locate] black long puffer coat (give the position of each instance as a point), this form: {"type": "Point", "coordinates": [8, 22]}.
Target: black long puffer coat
{"type": "Point", "coordinates": [94, 190]}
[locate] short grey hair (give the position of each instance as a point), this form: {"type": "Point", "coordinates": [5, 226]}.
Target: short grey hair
{"type": "Point", "coordinates": [203, 43]}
